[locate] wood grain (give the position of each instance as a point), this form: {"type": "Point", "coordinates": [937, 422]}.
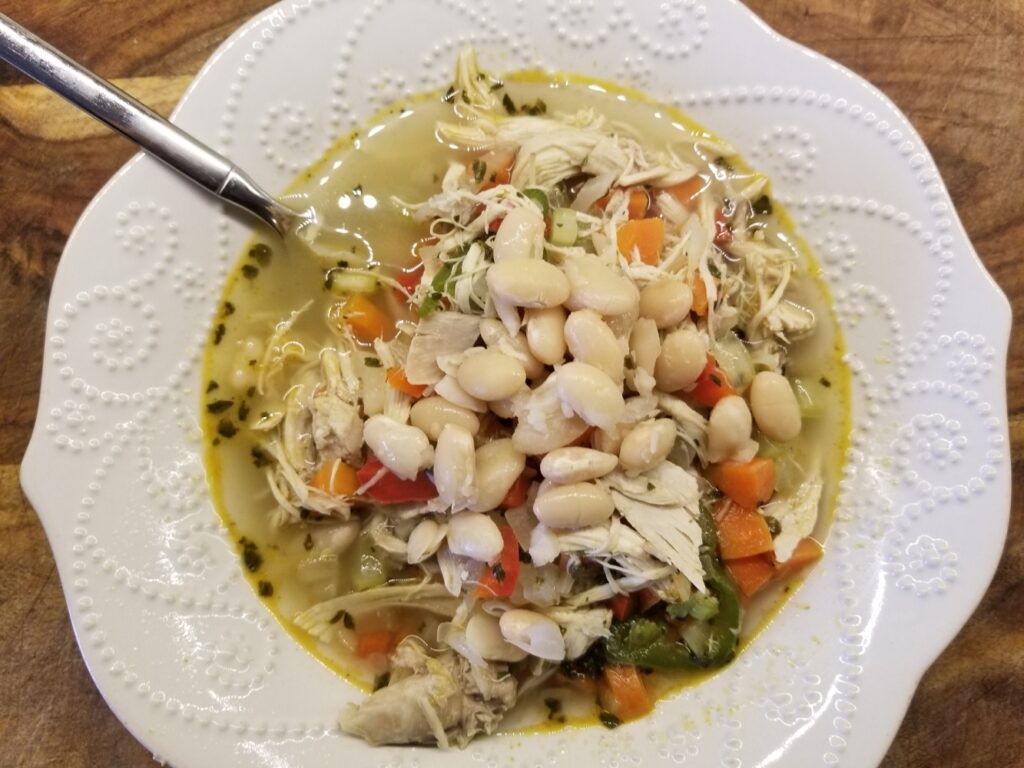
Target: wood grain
{"type": "Point", "coordinates": [955, 68]}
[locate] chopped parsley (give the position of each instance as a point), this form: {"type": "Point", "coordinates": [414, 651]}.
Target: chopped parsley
{"type": "Point", "coordinates": [260, 458]}
{"type": "Point", "coordinates": [554, 709]}
{"type": "Point", "coordinates": [608, 720]}
{"type": "Point", "coordinates": [381, 681]}
{"type": "Point", "coordinates": [249, 271]}
{"type": "Point", "coordinates": [250, 555]}
{"type": "Point", "coordinates": [243, 411]}
{"type": "Point", "coordinates": [226, 428]}
{"type": "Point", "coordinates": [219, 406]}
{"type": "Point", "coordinates": [266, 589]}
{"type": "Point", "coordinates": [508, 104]}
{"type": "Point", "coordinates": [307, 544]}
{"type": "Point", "coordinates": [498, 573]}
{"type": "Point", "coordinates": [371, 362]}
{"type": "Point", "coordinates": [479, 170]}
{"type": "Point", "coordinates": [218, 333]}
{"type": "Point", "coordinates": [211, 386]}
{"type": "Point", "coordinates": [762, 206]}
{"type": "Point", "coordinates": [345, 618]}
{"type": "Point", "coordinates": [260, 253]}
{"type": "Point", "coordinates": [229, 309]}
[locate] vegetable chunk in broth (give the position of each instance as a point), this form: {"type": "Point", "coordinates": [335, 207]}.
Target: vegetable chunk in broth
{"type": "Point", "coordinates": [549, 425]}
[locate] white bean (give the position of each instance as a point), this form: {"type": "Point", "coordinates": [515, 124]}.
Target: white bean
{"type": "Point", "coordinates": [545, 334]}
{"type": "Point", "coordinates": [455, 467]}
{"type": "Point", "coordinates": [774, 406]}
{"type": "Point", "coordinates": [503, 409]}
{"type": "Point", "coordinates": [608, 440]}
{"type": "Point", "coordinates": [450, 389]}
{"type": "Point", "coordinates": [498, 464]}
{"type": "Point", "coordinates": [425, 540]}
{"type": "Point", "coordinates": [595, 286]}
{"type": "Point", "coordinates": [496, 336]}
{"type": "Point", "coordinates": [490, 375]}
{"type": "Point", "coordinates": [573, 505]}
{"type": "Point", "coordinates": [483, 634]}
{"type": "Point", "coordinates": [591, 341]}
{"type": "Point", "coordinates": [575, 464]}
{"type": "Point", "coordinates": [647, 444]}
{"type": "Point", "coordinates": [593, 396]}
{"type": "Point", "coordinates": [431, 414]}
{"type": "Point", "coordinates": [729, 431]}
{"type": "Point", "coordinates": [558, 431]}
{"type": "Point", "coordinates": [520, 234]}
{"type": "Point", "coordinates": [528, 283]}
{"type": "Point", "coordinates": [533, 632]}
{"type": "Point", "coordinates": [645, 344]}
{"type": "Point", "coordinates": [683, 356]}
{"type": "Point", "coordinates": [403, 449]}
{"type": "Point", "coordinates": [667, 302]}
{"type": "Point", "coordinates": [474, 535]}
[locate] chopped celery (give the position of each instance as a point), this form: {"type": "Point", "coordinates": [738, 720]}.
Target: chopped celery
{"type": "Point", "coordinates": [342, 281]}
{"type": "Point", "coordinates": [810, 398]}
{"type": "Point", "coordinates": [539, 196]}
{"type": "Point", "coordinates": [697, 606]}
{"type": "Point", "coordinates": [369, 570]}
{"type": "Point", "coordinates": [563, 227]}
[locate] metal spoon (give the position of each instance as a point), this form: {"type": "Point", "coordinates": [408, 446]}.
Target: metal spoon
{"type": "Point", "coordinates": [160, 138]}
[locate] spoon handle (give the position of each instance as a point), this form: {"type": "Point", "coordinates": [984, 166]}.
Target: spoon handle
{"type": "Point", "coordinates": [109, 104]}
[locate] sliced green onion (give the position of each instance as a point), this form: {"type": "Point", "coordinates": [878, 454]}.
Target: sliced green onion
{"type": "Point", "coordinates": [563, 227]}
{"type": "Point", "coordinates": [539, 196]}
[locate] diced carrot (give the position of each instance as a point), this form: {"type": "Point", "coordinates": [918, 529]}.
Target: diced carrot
{"type": "Point", "coordinates": [723, 231]}
{"type": "Point", "coordinates": [699, 305]}
{"type": "Point", "coordinates": [409, 278]}
{"type": "Point", "coordinates": [712, 385]}
{"type": "Point", "coordinates": [688, 191]}
{"type": "Point", "coordinates": [742, 533]}
{"type": "Point", "coordinates": [639, 202]}
{"type": "Point", "coordinates": [365, 319]}
{"type": "Point", "coordinates": [645, 236]}
{"type": "Point", "coordinates": [396, 378]}
{"type": "Point", "coordinates": [622, 606]}
{"type": "Point", "coordinates": [374, 641]}
{"type": "Point", "coordinates": [391, 489]}
{"type": "Point", "coordinates": [516, 495]}
{"type": "Point", "coordinates": [751, 573]}
{"type": "Point", "coordinates": [494, 224]}
{"type": "Point", "coordinates": [499, 580]}
{"type": "Point", "coordinates": [336, 478]}
{"type": "Point", "coordinates": [807, 552]}
{"type": "Point", "coordinates": [748, 483]}
{"type": "Point", "coordinates": [623, 691]}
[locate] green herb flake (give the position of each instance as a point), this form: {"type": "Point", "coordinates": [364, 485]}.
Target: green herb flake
{"type": "Point", "coordinates": [608, 720]}
{"type": "Point", "coordinates": [228, 310]}
{"type": "Point", "coordinates": [479, 170]}
{"type": "Point", "coordinates": [243, 411]}
{"type": "Point", "coordinates": [261, 253]}
{"type": "Point", "coordinates": [381, 681]}
{"type": "Point", "coordinates": [762, 206]}
{"type": "Point", "coordinates": [250, 271]}
{"type": "Point", "coordinates": [498, 573]}
{"type": "Point", "coordinates": [211, 386]}
{"type": "Point", "coordinates": [554, 709]}
{"type": "Point", "coordinates": [774, 526]}
{"type": "Point", "coordinates": [371, 362]}
{"type": "Point", "coordinates": [260, 458]}
{"type": "Point", "coordinates": [251, 555]}
{"type": "Point", "coordinates": [307, 544]}
{"type": "Point", "coordinates": [218, 333]}
{"type": "Point", "coordinates": [226, 428]}
{"type": "Point", "coordinates": [250, 392]}
{"type": "Point", "coordinates": [219, 406]}
{"type": "Point", "coordinates": [348, 621]}
{"type": "Point", "coordinates": [508, 104]}
{"type": "Point", "coordinates": [266, 589]}
{"type": "Point", "coordinates": [824, 382]}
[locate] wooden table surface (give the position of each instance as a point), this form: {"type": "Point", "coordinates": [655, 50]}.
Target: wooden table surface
{"type": "Point", "coordinates": [956, 68]}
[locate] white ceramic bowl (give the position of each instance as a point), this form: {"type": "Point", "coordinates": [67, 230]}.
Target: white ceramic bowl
{"type": "Point", "coordinates": [181, 647]}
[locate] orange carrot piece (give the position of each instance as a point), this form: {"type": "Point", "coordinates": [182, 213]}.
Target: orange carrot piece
{"type": "Point", "coordinates": [646, 599]}
{"type": "Point", "coordinates": [688, 191]}
{"type": "Point", "coordinates": [646, 236]}
{"type": "Point", "coordinates": [625, 694]}
{"type": "Point", "coordinates": [751, 573]}
{"type": "Point", "coordinates": [336, 478]}
{"type": "Point", "coordinates": [396, 378]}
{"type": "Point", "coordinates": [742, 533]}
{"type": "Point", "coordinates": [712, 385]}
{"type": "Point", "coordinates": [374, 641]}
{"type": "Point", "coordinates": [365, 319]}
{"type": "Point", "coordinates": [516, 495]}
{"type": "Point", "coordinates": [748, 483]}
{"type": "Point", "coordinates": [699, 305]}
{"type": "Point", "coordinates": [807, 552]}
{"type": "Point", "coordinates": [639, 202]}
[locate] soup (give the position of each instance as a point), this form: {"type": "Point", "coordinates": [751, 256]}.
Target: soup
{"type": "Point", "coordinates": [543, 421]}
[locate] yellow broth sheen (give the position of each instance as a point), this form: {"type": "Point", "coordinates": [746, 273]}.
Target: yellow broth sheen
{"type": "Point", "coordinates": [353, 188]}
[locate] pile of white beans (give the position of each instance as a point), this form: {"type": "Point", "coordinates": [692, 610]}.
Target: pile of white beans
{"type": "Point", "coordinates": [588, 338]}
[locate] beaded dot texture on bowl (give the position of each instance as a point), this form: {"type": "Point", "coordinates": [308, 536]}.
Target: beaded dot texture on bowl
{"type": "Point", "coordinates": [178, 642]}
